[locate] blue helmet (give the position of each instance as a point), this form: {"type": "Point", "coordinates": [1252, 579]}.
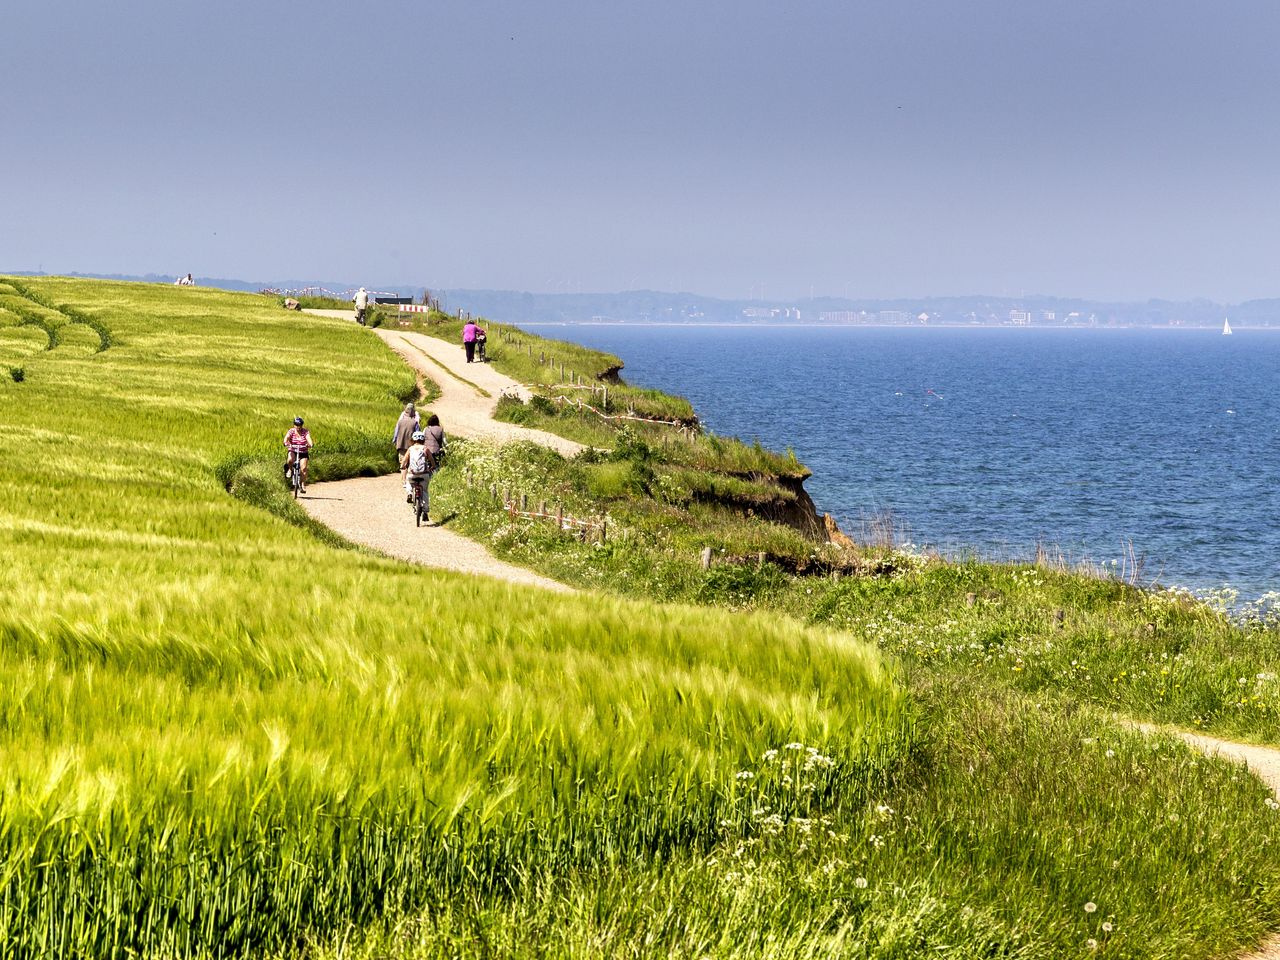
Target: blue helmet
{"type": "Point", "coordinates": [297, 421]}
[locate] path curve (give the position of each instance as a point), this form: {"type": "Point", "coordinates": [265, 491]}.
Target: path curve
{"type": "Point", "coordinates": [372, 511]}
{"type": "Point", "coordinates": [1263, 763]}
{"type": "Point", "coordinates": [464, 410]}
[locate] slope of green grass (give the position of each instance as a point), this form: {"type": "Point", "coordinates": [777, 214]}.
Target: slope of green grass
{"type": "Point", "coordinates": [225, 737]}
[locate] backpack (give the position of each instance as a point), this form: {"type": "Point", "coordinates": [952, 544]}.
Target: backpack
{"type": "Point", "coordinates": [419, 464]}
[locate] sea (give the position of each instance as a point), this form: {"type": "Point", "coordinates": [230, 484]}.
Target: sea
{"type": "Point", "coordinates": [1154, 448]}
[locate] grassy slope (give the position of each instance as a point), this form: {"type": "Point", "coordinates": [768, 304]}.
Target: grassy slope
{"type": "Point", "coordinates": [235, 735]}
{"type": "Point", "coordinates": [1044, 801]}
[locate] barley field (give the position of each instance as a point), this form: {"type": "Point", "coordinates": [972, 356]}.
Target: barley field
{"type": "Point", "coordinates": [224, 736]}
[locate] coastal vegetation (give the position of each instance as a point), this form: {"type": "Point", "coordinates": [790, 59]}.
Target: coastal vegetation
{"type": "Point", "coordinates": [231, 733]}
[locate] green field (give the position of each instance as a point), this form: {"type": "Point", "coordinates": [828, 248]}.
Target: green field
{"type": "Point", "coordinates": [227, 737]}
{"type": "Point", "coordinates": [228, 733]}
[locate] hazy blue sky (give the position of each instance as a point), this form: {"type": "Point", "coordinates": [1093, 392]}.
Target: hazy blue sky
{"type": "Point", "coordinates": [1097, 148]}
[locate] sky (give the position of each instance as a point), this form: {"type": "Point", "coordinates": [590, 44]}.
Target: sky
{"type": "Point", "coordinates": [876, 148]}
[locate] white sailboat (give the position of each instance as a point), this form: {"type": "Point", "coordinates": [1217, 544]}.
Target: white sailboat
{"type": "Point", "coordinates": [1226, 328]}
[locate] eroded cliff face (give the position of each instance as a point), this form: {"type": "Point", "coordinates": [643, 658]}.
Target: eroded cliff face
{"type": "Point", "coordinates": [798, 510]}
{"type": "Point", "coordinates": [793, 507]}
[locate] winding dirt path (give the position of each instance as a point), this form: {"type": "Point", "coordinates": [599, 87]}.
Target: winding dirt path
{"type": "Point", "coordinates": [469, 392]}
{"type": "Point", "coordinates": [372, 510]}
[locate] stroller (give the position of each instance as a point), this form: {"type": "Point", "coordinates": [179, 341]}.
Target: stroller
{"type": "Point", "coordinates": [481, 339]}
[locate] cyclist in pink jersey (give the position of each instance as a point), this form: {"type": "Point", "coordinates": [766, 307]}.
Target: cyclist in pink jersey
{"type": "Point", "coordinates": [298, 443]}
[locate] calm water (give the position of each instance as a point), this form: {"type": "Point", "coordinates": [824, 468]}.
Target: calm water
{"type": "Point", "coordinates": [994, 440]}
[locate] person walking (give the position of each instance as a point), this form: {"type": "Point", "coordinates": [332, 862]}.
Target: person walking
{"type": "Point", "coordinates": [434, 434]}
{"type": "Point", "coordinates": [469, 339]}
{"type": "Point", "coordinates": [362, 304]}
{"type": "Point", "coordinates": [406, 426]}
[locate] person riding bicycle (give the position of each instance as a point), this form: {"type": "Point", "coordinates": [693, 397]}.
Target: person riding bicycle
{"type": "Point", "coordinates": [298, 443]}
{"type": "Point", "coordinates": [362, 304]}
{"type": "Point", "coordinates": [419, 464]}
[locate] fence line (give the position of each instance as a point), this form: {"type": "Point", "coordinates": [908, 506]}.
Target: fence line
{"type": "Point", "coordinates": [517, 507]}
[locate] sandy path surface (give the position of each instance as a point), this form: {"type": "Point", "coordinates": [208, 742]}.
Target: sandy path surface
{"type": "Point", "coordinates": [464, 410]}
{"type": "Point", "coordinates": [372, 510]}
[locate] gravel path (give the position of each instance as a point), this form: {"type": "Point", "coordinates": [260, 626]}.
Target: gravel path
{"type": "Point", "coordinates": [372, 510]}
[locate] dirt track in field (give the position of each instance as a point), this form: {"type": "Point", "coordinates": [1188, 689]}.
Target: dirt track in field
{"type": "Point", "coordinates": [372, 511]}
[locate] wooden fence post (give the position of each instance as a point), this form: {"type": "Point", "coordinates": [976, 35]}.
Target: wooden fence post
{"type": "Point", "coordinates": [706, 558]}
{"type": "Point", "coordinates": [760, 560]}
{"type": "Point", "coordinates": [524, 503]}
{"type": "Point", "coordinates": [604, 529]}
{"type": "Point", "coordinates": [559, 516]}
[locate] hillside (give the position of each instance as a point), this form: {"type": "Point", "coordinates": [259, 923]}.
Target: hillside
{"type": "Point", "coordinates": [231, 734]}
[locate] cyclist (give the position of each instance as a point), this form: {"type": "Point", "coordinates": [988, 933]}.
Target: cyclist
{"type": "Point", "coordinates": [419, 464]}
{"type": "Point", "coordinates": [362, 304]}
{"type": "Point", "coordinates": [298, 443]}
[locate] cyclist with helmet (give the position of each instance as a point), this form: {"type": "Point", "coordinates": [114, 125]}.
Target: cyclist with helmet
{"type": "Point", "coordinates": [419, 464]}
{"type": "Point", "coordinates": [298, 443]}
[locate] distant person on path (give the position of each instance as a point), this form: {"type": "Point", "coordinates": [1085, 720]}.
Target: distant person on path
{"type": "Point", "coordinates": [298, 443]}
{"type": "Point", "coordinates": [469, 339]}
{"type": "Point", "coordinates": [419, 465]}
{"type": "Point", "coordinates": [362, 304]}
{"type": "Point", "coordinates": [184, 281]}
{"type": "Point", "coordinates": [406, 427]}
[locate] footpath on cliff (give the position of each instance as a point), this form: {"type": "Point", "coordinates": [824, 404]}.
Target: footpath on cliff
{"type": "Point", "coordinates": [372, 511]}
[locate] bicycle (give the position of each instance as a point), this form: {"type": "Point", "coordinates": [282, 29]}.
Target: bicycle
{"type": "Point", "coordinates": [419, 503]}
{"type": "Point", "coordinates": [295, 476]}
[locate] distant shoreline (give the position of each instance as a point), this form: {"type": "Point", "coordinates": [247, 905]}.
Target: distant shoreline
{"type": "Point", "coordinates": [802, 325]}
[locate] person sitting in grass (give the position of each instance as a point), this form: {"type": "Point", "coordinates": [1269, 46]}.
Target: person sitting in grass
{"type": "Point", "coordinates": [418, 465]}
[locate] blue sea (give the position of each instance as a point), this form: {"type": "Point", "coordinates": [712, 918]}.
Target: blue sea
{"type": "Point", "coordinates": [990, 441]}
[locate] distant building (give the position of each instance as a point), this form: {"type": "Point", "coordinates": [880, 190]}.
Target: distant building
{"type": "Point", "coordinates": [1048, 316]}
{"type": "Point", "coordinates": [923, 318]}
{"type": "Point", "coordinates": [759, 313]}
{"type": "Point", "coordinates": [893, 316]}
{"type": "Point", "coordinates": [1020, 318]}
{"type": "Point", "coordinates": [839, 316]}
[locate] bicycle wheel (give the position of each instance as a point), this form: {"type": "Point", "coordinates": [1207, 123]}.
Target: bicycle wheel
{"type": "Point", "coordinates": [297, 482]}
